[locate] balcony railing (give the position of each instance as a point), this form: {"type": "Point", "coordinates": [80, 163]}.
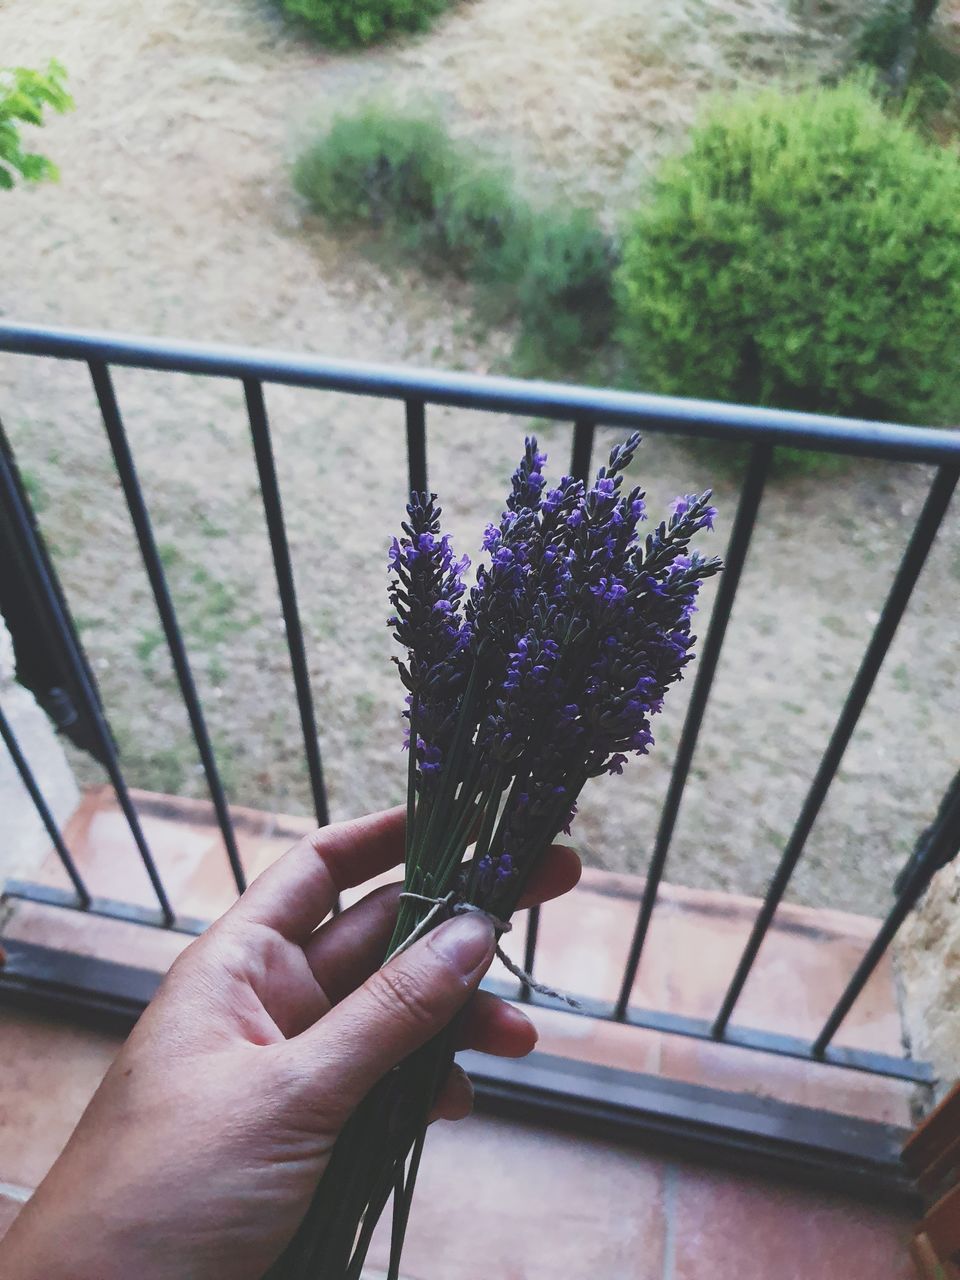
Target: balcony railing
{"type": "Point", "coordinates": [762, 430]}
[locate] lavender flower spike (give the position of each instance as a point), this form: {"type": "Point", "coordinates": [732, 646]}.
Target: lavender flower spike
{"type": "Point", "coordinates": [549, 673]}
{"type": "Point", "coordinates": [426, 591]}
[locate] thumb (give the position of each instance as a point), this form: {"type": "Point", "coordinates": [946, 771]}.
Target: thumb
{"type": "Point", "coordinates": [397, 1009]}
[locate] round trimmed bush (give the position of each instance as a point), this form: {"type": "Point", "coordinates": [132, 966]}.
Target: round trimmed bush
{"type": "Point", "coordinates": [342, 23]}
{"type": "Point", "coordinates": [805, 253]}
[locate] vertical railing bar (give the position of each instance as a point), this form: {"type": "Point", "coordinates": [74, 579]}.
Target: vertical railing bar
{"type": "Point", "coordinates": [127, 472]}
{"type": "Point", "coordinates": [582, 451]}
{"type": "Point", "coordinates": [46, 817]}
{"type": "Point", "coordinates": [530, 948]}
{"type": "Point", "coordinates": [530, 940]}
{"type": "Point", "coordinates": [911, 564]}
{"type": "Point", "coordinates": [417, 445]}
{"type": "Point", "coordinates": [861, 975]}
{"type": "Point", "coordinates": [65, 701]}
{"type": "Point", "coordinates": [276, 530]}
{"type": "Point", "coordinates": [97, 718]}
{"type": "Point", "coordinates": [741, 533]}
{"type": "Point", "coordinates": [942, 848]}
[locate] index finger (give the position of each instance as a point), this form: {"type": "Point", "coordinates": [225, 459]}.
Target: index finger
{"type": "Point", "coordinates": [295, 894]}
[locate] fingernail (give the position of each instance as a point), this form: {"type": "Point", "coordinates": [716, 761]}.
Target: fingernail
{"type": "Point", "coordinates": [465, 942]}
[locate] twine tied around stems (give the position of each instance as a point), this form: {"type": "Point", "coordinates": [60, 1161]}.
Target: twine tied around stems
{"type": "Point", "coordinates": [455, 906]}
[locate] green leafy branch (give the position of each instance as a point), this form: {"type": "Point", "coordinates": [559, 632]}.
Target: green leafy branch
{"type": "Point", "coordinates": [24, 97]}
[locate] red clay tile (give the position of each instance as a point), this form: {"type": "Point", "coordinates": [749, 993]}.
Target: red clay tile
{"type": "Point", "coordinates": [589, 1040]}
{"type": "Point", "coordinates": [584, 940]}
{"type": "Point", "coordinates": [695, 941]}
{"type": "Point", "coordinates": [733, 1228]}
{"type": "Point", "coordinates": [90, 935]}
{"type": "Point", "coordinates": [504, 1199]}
{"type": "Point", "coordinates": [186, 844]}
{"type": "Point", "coordinates": [48, 1073]}
{"type": "Point", "coordinates": [851, 1093]}
{"type": "Point", "coordinates": [803, 965]}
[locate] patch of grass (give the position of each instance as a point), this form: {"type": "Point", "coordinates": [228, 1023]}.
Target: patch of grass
{"type": "Point", "coordinates": [169, 554]}
{"type": "Point", "coordinates": [169, 769]}
{"type": "Point", "coordinates": [766, 624]}
{"type": "Point", "coordinates": [209, 528]}
{"type": "Point", "coordinates": [216, 670]}
{"type": "Point", "coordinates": [85, 622]}
{"type": "Point", "coordinates": [365, 705]}
{"type": "Point", "coordinates": [901, 677]}
{"type": "Point", "coordinates": [35, 489]}
{"type": "Point", "coordinates": [212, 615]}
{"type": "Point", "coordinates": [207, 608]}
{"type": "Point", "coordinates": [836, 623]}
{"type": "Point", "coordinates": [149, 642]}
{"type": "Point", "coordinates": [165, 768]}
{"type": "Point", "coordinates": [225, 755]}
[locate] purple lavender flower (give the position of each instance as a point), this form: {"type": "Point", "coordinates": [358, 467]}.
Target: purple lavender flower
{"type": "Point", "coordinates": [426, 593]}
{"type": "Point", "coordinates": [575, 630]}
{"type": "Point", "coordinates": [690, 504]}
{"type": "Point", "coordinates": [527, 481]}
{"type": "Point", "coordinates": [548, 673]}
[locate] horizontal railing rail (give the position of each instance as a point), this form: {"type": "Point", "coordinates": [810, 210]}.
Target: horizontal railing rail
{"type": "Point", "coordinates": [719, 421]}
{"type": "Point", "coordinates": [763, 430]}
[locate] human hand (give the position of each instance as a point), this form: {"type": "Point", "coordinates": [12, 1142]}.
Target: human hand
{"type": "Point", "coordinates": [199, 1153]}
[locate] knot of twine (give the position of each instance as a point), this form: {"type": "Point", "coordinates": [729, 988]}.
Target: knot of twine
{"type": "Point", "coordinates": [452, 905]}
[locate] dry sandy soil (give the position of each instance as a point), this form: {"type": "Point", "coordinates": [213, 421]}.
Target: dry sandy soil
{"type": "Point", "coordinates": [175, 216]}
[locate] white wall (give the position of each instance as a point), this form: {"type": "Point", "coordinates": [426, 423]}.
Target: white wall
{"type": "Point", "coordinates": [23, 839]}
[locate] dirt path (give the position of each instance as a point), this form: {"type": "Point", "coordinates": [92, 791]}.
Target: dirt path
{"type": "Point", "coordinates": [175, 217]}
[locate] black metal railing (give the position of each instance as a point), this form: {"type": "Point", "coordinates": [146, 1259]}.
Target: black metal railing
{"type": "Point", "coordinates": [761, 429]}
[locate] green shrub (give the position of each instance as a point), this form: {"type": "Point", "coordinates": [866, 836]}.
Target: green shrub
{"type": "Point", "coordinates": [883, 34]}
{"type": "Point", "coordinates": [24, 96]}
{"type": "Point", "coordinates": [404, 173]}
{"type": "Point", "coordinates": [342, 23]}
{"type": "Point", "coordinates": [552, 267]}
{"type": "Point", "coordinates": [483, 227]}
{"type": "Point", "coordinates": [804, 252]}
{"type": "Point", "coordinates": [565, 291]}
{"type": "Point", "coordinates": [378, 168]}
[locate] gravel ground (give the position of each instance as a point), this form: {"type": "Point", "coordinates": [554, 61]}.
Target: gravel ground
{"type": "Point", "coordinates": [175, 217]}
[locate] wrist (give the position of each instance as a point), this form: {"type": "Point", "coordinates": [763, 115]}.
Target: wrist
{"type": "Point", "coordinates": [42, 1245]}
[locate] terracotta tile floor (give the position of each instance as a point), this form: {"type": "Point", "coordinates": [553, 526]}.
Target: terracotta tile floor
{"type": "Point", "coordinates": [542, 1203]}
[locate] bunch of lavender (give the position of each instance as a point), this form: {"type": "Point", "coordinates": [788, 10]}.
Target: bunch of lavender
{"type": "Point", "coordinates": [546, 673]}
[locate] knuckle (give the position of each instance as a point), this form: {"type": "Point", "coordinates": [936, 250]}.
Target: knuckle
{"type": "Point", "coordinates": [403, 993]}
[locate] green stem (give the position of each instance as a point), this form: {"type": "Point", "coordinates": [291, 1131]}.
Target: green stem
{"type": "Point", "coordinates": [450, 774]}
{"type": "Point", "coordinates": [440, 1058]}
{"type": "Point", "coordinates": [411, 779]}
{"type": "Point", "coordinates": [491, 810]}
